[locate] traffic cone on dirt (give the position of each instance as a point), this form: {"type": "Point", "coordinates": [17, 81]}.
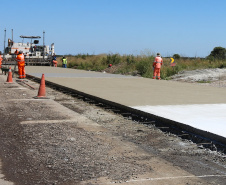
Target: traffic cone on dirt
{"type": "Point", "coordinates": [10, 76]}
{"type": "Point", "coordinates": [42, 88]}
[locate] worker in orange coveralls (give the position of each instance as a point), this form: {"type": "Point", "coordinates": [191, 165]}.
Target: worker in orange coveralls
{"type": "Point", "coordinates": [21, 64]}
{"type": "Point", "coordinates": [0, 59]}
{"type": "Point", "coordinates": [157, 66]}
{"type": "Point", "coordinates": [54, 61]}
{"type": "Point", "coordinates": [16, 52]}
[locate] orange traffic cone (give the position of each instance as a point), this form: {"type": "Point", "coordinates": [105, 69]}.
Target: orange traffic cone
{"type": "Point", "coordinates": [10, 76]}
{"type": "Point", "coordinates": [42, 88]}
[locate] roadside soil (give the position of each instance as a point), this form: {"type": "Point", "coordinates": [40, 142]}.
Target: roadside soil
{"type": "Point", "coordinates": [212, 77]}
{"type": "Point", "coordinates": [66, 141]}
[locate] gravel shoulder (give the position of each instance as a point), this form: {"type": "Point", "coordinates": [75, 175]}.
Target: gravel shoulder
{"type": "Point", "coordinates": [63, 140]}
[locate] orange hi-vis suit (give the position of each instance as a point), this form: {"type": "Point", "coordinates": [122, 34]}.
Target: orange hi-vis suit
{"type": "Point", "coordinates": [0, 61]}
{"type": "Point", "coordinates": [157, 66]}
{"type": "Point", "coordinates": [21, 65]}
{"type": "Point", "coordinates": [16, 52]}
{"type": "Point", "coordinates": [55, 63]}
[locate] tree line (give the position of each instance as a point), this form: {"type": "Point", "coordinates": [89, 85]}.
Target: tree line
{"type": "Point", "coordinates": [218, 53]}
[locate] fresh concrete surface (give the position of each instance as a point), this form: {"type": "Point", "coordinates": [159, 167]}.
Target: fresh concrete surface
{"type": "Point", "coordinates": [131, 91]}
{"type": "Point", "coordinates": [208, 117]}
{"type": "Point", "coordinates": [140, 92]}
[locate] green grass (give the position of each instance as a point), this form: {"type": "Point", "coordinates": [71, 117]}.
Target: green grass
{"type": "Point", "coordinates": [204, 81]}
{"type": "Point", "coordinates": [142, 65]}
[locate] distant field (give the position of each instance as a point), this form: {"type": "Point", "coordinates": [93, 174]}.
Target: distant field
{"type": "Point", "coordinates": [137, 65]}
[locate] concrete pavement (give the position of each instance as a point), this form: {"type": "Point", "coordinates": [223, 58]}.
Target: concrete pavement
{"type": "Point", "coordinates": [192, 104]}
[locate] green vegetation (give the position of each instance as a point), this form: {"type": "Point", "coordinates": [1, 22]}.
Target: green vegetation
{"type": "Point", "coordinates": [176, 56]}
{"type": "Point", "coordinates": [142, 65]}
{"type": "Point", "coordinates": [204, 81]}
{"type": "Point", "coordinates": [218, 53]}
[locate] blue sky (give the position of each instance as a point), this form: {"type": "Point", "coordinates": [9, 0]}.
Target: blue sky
{"type": "Point", "coordinates": [188, 27]}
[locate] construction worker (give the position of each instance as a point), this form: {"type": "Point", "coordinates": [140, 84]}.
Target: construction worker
{"type": "Point", "coordinates": [157, 66]}
{"type": "Point", "coordinates": [54, 61]}
{"type": "Point", "coordinates": [0, 59]}
{"type": "Point", "coordinates": [21, 64]}
{"type": "Point", "coordinates": [16, 52]}
{"type": "Point", "coordinates": [64, 61]}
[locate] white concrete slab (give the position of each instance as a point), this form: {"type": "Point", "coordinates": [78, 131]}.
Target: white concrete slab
{"type": "Point", "coordinates": [208, 117]}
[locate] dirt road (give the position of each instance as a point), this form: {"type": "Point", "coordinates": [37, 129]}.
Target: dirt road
{"type": "Point", "coordinates": [65, 141]}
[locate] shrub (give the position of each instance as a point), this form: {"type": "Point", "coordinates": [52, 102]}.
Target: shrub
{"type": "Point", "coordinates": [130, 59]}
{"type": "Point", "coordinates": [143, 66]}
{"type": "Point", "coordinates": [218, 53]}
{"type": "Point", "coordinates": [176, 56]}
{"type": "Point", "coordinates": [113, 59]}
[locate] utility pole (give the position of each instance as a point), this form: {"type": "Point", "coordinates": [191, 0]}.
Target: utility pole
{"type": "Point", "coordinates": [12, 35]}
{"type": "Point", "coordinates": [43, 45]}
{"type": "Point", "coordinates": [4, 44]}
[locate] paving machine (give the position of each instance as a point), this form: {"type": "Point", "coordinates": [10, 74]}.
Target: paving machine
{"type": "Point", "coordinates": [34, 53]}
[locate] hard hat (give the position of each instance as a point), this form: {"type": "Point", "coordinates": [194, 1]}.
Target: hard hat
{"type": "Point", "coordinates": [20, 51]}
